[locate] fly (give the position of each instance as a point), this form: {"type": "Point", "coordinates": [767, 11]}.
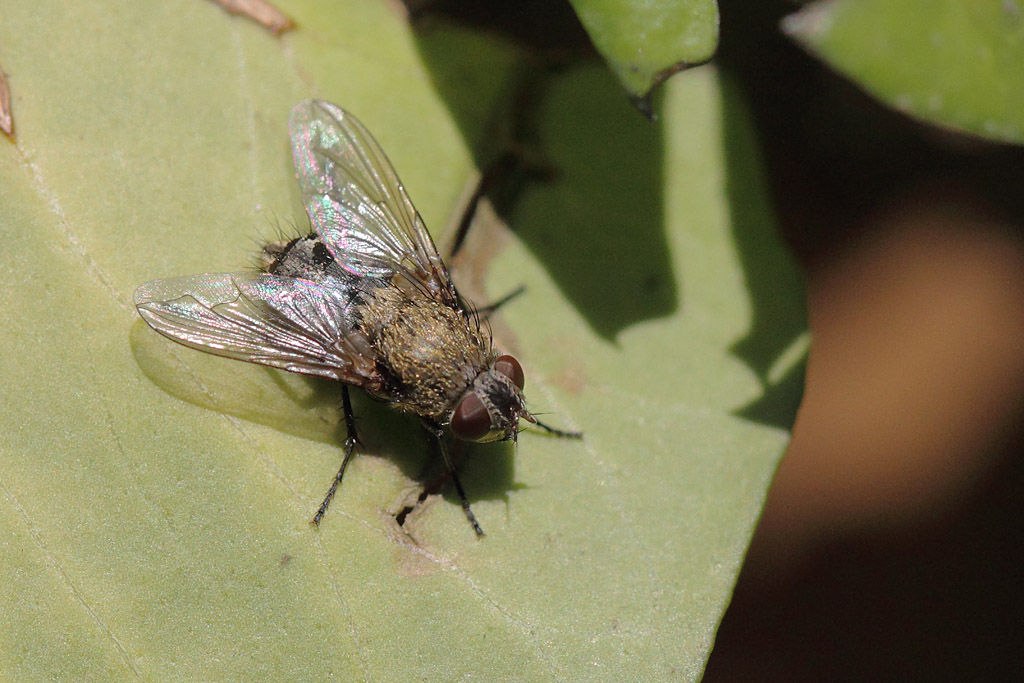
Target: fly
{"type": "Point", "coordinates": [364, 299]}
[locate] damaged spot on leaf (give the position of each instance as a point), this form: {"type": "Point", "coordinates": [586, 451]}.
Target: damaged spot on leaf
{"type": "Point", "coordinates": [6, 123]}
{"type": "Point", "coordinates": [260, 11]}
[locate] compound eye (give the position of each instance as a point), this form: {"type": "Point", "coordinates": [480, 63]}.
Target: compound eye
{"type": "Point", "coordinates": [471, 421]}
{"type": "Point", "coordinates": [510, 367]}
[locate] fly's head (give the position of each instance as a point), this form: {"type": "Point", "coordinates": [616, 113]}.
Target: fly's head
{"type": "Point", "coordinates": [491, 409]}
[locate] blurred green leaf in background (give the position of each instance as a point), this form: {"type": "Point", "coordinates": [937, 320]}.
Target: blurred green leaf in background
{"type": "Point", "coordinates": [955, 63]}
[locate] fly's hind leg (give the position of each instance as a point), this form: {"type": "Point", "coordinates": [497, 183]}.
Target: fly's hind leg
{"type": "Point", "coordinates": [494, 175]}
{"type": "Point", "coordinates": [351, 441]}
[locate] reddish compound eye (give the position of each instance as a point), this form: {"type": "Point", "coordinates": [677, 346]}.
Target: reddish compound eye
{"type": "Point", "coordinates": [471, 421]}
{"type": "Point", "coordinates": [510, 367]}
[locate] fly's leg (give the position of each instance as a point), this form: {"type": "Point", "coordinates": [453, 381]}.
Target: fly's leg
{"type": "Point", "coordinates": [439, 434]}
{"type": "Point", "coordinates": [485, 311]}
{"type": "Point", "coordinates": [491, 177]}
{"type": "Point", "coordinates": [502, 181]}
{"type": "Point", "coordinates": [435, 482]}
{"type": "Point", "coordinates": [561, 433]}
{"type": "Point", "coordinates": [351, 441]}
{"type": "Point", "coordinates": [558, 432]}
{"type": "Point", "coordinates": [465, 505]}
{"type": "Point", "coordinates": [521, 162]}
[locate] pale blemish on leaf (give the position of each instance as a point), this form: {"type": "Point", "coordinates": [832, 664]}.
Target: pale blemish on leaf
{"type": "Point", "coordinates": [260, 11]}
{"type": "Point", "coordinates": [6, 123]}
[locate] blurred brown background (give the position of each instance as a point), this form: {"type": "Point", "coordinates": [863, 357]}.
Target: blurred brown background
{"type": "Point", "coordinates": [890, 546]}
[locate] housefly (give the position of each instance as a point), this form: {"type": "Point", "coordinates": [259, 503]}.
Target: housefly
{"type": "Point", "coordinates": [364, 299]}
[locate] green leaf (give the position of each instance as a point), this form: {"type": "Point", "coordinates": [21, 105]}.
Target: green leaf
{"type": "Point", "coordinates": [646, 42]}
{"type": "Point", "coordinates": [954, 63]}
{"type": "Point", "coordinates": [155, 501]}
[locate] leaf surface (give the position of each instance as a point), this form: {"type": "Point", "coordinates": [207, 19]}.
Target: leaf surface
{"type": "Point", "coordinates": [646, 42]}
{"type": "Point", "coordinates": [155, 501]}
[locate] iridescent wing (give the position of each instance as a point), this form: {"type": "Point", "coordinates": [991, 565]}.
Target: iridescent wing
{"type": "Point", "coordinates": [281, 322]}
{"type": "Point", "coordinates": [357, 204]}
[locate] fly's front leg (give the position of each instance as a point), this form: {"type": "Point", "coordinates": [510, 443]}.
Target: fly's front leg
{"type": "Point", "coordinates": [440, 436]}
{"type": "Point", "coordinates": [561, 433]}
{"type": "Point", "coordinates": [351, 441]}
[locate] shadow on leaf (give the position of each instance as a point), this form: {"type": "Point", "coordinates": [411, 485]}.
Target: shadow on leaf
{"type": "Point", "coordinates": [773, 281]}
{"type": "Point", "coordinates": [596, 221]}
{"type": "Point", "coordinates": [310, 408]}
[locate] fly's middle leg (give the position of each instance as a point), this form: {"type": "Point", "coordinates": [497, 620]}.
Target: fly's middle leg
{"type": "Point", "coordinates": [485, 311]}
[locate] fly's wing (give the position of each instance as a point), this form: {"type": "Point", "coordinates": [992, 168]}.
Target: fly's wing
{"type": "Point", "coordinates": [357, 204]}
{"type": "Point", "coordinates": [281, 322]}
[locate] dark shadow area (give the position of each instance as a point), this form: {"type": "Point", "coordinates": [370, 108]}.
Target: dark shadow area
{"type": "Point", "coordinates": [832, 155]}
{"type": "Point", "coordinates": [781, 399]}
{"type": "Point", "coordinates": [310, 408]}
{"type": "Point", "coordinates": [598, 228]}
{"type": "Point", "coordinates": [548, 27]}
{"type": "Point", "coordinates": [832, 152]}
{"type": "Point", "coordinates": [938, 602]}
{"type": "Point", "coordinates": [771, 273]}
{"type": "Point", "coordinates": [930, 600]}
{"type": "Point", "coordinates": [588, 201]}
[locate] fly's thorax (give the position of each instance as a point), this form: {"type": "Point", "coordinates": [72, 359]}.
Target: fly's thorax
{"type": "Point", "coordinates": [429, 353]}
{"type": "Point", "coordinates": [491, 407]}
{"type": "Point", "coordinates": [306, 258]}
